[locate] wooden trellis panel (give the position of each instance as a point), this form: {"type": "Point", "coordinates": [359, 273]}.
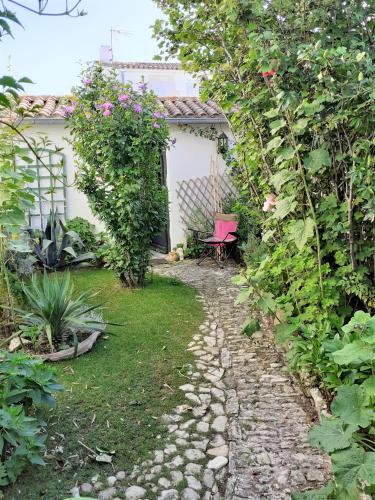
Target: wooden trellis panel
{"type": "Point", "coordinates": [200, 195]}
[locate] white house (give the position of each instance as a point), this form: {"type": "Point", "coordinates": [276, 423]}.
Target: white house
{"type": "Point", "coordinates": [193, 170]}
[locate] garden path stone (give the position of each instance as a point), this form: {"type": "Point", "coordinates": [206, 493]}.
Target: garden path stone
{"type": "Point", "coordinates": [194, 454]}
{"type": "Point", "coordinates": [189, 494]}
{"type": "Point", "coordinates": [217, 463]}
{"type": "Point", "coordinates": [86, 488]}
{"type": "Point", "coordinates": [135, 493]}
{"type": "Point", "coordinates": [121, 475]}
{"type": "Point", "coordinates": [110, 493]}
{"type": "Point", "coordinates": [111, 480]}
{"type": "Point", "coordinates": [169, 495]}
{"type": "Point", "coordinates": [253, 417]}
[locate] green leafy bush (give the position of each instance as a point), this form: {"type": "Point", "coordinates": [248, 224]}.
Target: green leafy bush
{"type": "Point", "coordinates": [297, 86]}
{"type": "Point", "coordinates": [104, 245]}
{"type": "Point", "coordinates": [86, 233]}
{"type": "Point", "coordinates": [119, 134]}
{"type": "Point", "coordinates": [52, 307]}
{"type": "Point", "coordinates": [26, 388]}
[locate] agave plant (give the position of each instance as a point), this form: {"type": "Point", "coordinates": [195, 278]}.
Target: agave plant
{"type": "Point", "coordinates": [55, 310]}
{"type": "Point", "coordinates": [54, 245]}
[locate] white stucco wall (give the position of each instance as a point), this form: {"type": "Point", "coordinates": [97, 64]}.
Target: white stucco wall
{"type": "Point", "coordinates": [189, 158]}
{"type": "Point", "coordinates": [76, 201]}
{"type": "Point", "coordinates": [162, 82]}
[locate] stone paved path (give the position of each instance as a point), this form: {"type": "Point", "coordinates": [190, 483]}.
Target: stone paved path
{"type": "Point", "coordinates": [269, 456]}
{"type": "Point", "coordinates": [242, 433]}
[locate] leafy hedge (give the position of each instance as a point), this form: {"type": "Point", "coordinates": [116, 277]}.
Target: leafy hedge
{"type": "Point", "coordinates": [296, 80]}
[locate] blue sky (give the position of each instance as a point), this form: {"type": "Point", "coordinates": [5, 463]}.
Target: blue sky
{"type": "Point", "coordinates": [50, 50]}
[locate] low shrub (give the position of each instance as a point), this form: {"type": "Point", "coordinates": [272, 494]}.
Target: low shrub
{"type": "Point", "coordinates": [26, 390]}
{"type": "Point", "coordinates": [52, 307]}
{"type": "Point", "coordinates": [86, 232]}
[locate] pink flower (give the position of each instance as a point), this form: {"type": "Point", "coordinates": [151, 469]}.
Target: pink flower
{"type": "Point", "coordinates": [137, 108]}
{"type": "Point", "coordinates": [87, 81]}
{"type": "Point", "coordinates": [269, 203]}
{"type": "Point", "coordinates": [88, 115]}
{"type": "Point", "coordinates": [142, 86]}
{"type": "Point", "coordinates": [69, 110]}
{"type": "Point", "coordinates": [157, 114]}
{"type": "Point", "coordinates": [107, 112]}
{"type": "Point", "coordinates": [107, 105]}
{"type": "Point", "coordinates": [123, 97]}
{"type": "Point", "coordinates": [271, 72]}
{"type": "Point", "coordinates": [156, 125]}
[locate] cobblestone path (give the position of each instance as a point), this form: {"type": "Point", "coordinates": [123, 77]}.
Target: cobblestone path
{"type": "Point", "coordinates": [242, 433]}
{"type": "Point", "coordinates": [269, 455]}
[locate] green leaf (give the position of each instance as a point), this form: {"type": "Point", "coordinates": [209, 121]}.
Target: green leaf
{"type": "Point", "coordinates": [369, 386]}
{"type": "Point", "coordinates": [268, 235]}
{"type": "Point", "coordinates": [286, 154]}
{"type": "Point", "coordinates": [280, 178]}
{"type": "Point", "coordinates": [360, 56]}
{"type": "Point", "coordinates": [354, 463]}
{"type": "Point", "coordinates": [10, 82]}
{"type": "Point", "coordinates": [239, 280]}
{"type": "Point", "coordinates": [331, 434]}
{"type": "Point", "coordinates": [4, 101]}
{"type": "Point", "coordinates": [277, 125]}
{"type": "Point", "coordinates": [284, 332]}
{"type": "Point", "coordinates": [284, 207]}
{"type": "Point", "coordinates": [244, 295]}
{"type": "Point", "coordinates": [355, 352]}
{"type": "Point", "coordinates": [25, 79]}
{"type": "Point", "coordinates": [317, 159]}
{"type": "Point", "coordinates": [349, 404]}
{"type": "Point", "coordinates": [274, 143]}
{"type": "Point", "coordinates": [301, 231]}
{"type": "Point", "coordinates": [300, 126]}
{"type": "Point", "coordinates": [272, 113]}
{"type": "Point", "coordinates": [250, 327]}
{"type": "Point", "coordinates": [358, 322]}
{"type": "Point", "coordinates": [70, 251]}
{"type": "Point", "coordinates": [266, 303]}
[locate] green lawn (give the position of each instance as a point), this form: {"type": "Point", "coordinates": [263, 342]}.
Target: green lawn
{"type": "Point", "coordinates": [115, 394]}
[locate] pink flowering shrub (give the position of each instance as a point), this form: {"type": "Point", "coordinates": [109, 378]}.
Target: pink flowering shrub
{"type": "Point", "coordinates": [270, 203]}
{"type": "Point", "coordinates": [119, 134]}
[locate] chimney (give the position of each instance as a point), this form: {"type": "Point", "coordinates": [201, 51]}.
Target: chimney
{"type": "Point", "coordinates": [105, 54]}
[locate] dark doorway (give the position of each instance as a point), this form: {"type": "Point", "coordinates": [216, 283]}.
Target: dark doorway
{"type": "Point", "coordinates": [161, 242]}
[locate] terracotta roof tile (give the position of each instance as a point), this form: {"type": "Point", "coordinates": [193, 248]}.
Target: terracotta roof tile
{"type": "Point", "coordinates": [175, 107]}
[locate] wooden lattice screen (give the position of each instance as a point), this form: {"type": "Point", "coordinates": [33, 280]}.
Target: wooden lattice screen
{"type": "Point", "coordinates": [49, 187]}
{"type": "Point", "coordinates": [198, 198]}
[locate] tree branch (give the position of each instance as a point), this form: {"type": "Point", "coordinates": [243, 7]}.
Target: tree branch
{"type": "Point", "coordinates": [42, 7]}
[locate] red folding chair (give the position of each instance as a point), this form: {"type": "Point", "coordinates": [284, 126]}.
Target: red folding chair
{"type": "Point", "coordinates": [219, 245]}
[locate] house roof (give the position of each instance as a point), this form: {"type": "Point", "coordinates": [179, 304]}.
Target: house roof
{"type": "Point", "coordinates": [144, 65]}
{"type": "Point", "coordinates": [183, 109]}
